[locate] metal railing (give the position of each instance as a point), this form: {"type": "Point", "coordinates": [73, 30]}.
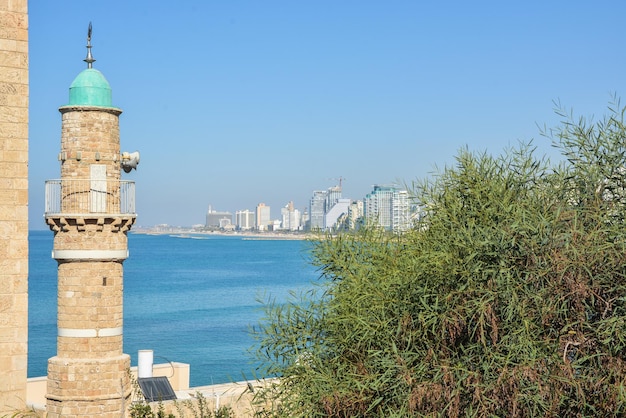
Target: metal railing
{"type": "Point", "coordinates": [86, 196]}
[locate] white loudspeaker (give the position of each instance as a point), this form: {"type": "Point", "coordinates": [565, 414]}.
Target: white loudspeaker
{"type": "Point", "coordinates": [129, 161]}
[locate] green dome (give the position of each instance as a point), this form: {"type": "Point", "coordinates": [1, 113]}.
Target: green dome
{"type": "Point", "coordinates": [90, 88]}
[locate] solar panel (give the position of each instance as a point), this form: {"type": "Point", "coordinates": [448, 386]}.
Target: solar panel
{"type": "Point", "coordinates": [156, 389]}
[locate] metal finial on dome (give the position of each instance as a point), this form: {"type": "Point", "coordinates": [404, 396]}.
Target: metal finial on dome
{"type": "Point", "coordinates": [90, 59]}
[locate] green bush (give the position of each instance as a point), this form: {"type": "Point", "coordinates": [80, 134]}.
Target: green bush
{"type": "Point", "coordinates": [508, 298]}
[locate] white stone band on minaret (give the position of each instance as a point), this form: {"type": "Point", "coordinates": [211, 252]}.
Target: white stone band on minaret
{"type": "Point", "coordinates": [90, 254]}
{"type": "Point", "coordinates": [89, 332]}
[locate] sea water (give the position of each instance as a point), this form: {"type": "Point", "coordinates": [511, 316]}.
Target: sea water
{"type": "Point", "coordinates": [190, 298]}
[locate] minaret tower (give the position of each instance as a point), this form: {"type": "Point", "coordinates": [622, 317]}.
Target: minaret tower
{"type": "Point", "coordinates": [90, 211]}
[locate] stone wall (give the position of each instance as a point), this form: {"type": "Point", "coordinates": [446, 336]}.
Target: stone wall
{"type": "Point", "coordinates": [89, 135]}
{"type": "Point", "coordinates": [13, 204]}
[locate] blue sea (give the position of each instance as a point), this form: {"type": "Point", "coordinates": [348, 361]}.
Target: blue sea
{"type": "Point", "coordinates": [190, 298]}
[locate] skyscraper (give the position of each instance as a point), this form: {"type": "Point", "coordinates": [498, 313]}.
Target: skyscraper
{"type": "Point", "coordinates": [215, 219]}
{"type": "Point", "coordinates": [333, 194]}
{"type": "Point", "coordinates": [388, 208]}
{"type": "Point", "coordinates": [316, 210]}
{"type": "Point", "coordinates": [291, 218]}
{"type": "Point", "coordinates": [244, 220]}
{"type": "Point", "coordinates": [263, 218]}
{"type": "Point", "coordinates": [337, 215]}
{"type": "Point", "coordinates": [355, 214]}
{"type": "Point", "coordinates": [320, 205]}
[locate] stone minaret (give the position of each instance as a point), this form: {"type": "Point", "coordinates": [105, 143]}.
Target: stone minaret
{"type": "Point", "coordinates": [90, 211]}
{"type": "Point", "coordinates": [13, 204]}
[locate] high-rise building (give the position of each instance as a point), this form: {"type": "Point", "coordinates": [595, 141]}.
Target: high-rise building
{"type": "Point", "coordinates": [400, 212]}
{"type": "Point", "coordinates": [317, 210]}
{"type": "Point", "coordinates": [291, 218]}
{"type": "Point", "coordinates": [355, 214]}
{"type": "Point", "coordinates": [338, 213]}
{"type": "Point", "coordinates": [263, 218]}
{"type": "Point", "coordinates": [90, 210]}
{"type": "Point", "coordinates": [244, 220]}
{"type": "Point", "coordinates": [215, 219]}
{"type": "Point", "coordinates": [387, 207]}
{"type": "Point", "coordinates": [326, 208]}
{"type": "Point", "coordinates": [333, 194]}
{"type": "Point", "coordinates": [13, 205]}
{"type": "Point", "coordinates": [305, 218]}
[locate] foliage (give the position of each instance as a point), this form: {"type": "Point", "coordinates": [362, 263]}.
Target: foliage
{"type": "Point", "coordinates": [141, 410]}
{"type": "Point", "coordinates": [198, 408]}
{"type": "Point", "coordinates": [194, 409]}
{"type": "Point", "coordinates": [507, 299]}
{"type": "Point", "coordinates": [224, 412]}
{"type": "Point", "coordinates": [24, 413]}
{"type": "Point", "coordinates": [201, 409]}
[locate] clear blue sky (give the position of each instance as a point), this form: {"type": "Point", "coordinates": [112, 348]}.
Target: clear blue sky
{"type": "Point", "coordinates": [232, 103]}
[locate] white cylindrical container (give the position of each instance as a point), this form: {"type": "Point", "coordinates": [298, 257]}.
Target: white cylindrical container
{"type": "Point", "coordinates": [144, 363]}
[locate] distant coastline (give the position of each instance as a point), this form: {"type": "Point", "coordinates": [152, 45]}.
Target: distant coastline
{"type": "Point", "coordinates": [247, 235]}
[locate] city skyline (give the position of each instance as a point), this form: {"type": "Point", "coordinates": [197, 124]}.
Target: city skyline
{"type": "Point", "coordinates": [237, 103]}
{"type": "Point", "coordinates": [330, 197]}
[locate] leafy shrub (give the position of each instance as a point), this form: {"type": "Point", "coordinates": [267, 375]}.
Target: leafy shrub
{"type": "Point", "coordinates": [508, 298]}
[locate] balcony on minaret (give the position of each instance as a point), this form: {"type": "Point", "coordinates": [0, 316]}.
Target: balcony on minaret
{"type": "Point", "coordinates": [89, 201]}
